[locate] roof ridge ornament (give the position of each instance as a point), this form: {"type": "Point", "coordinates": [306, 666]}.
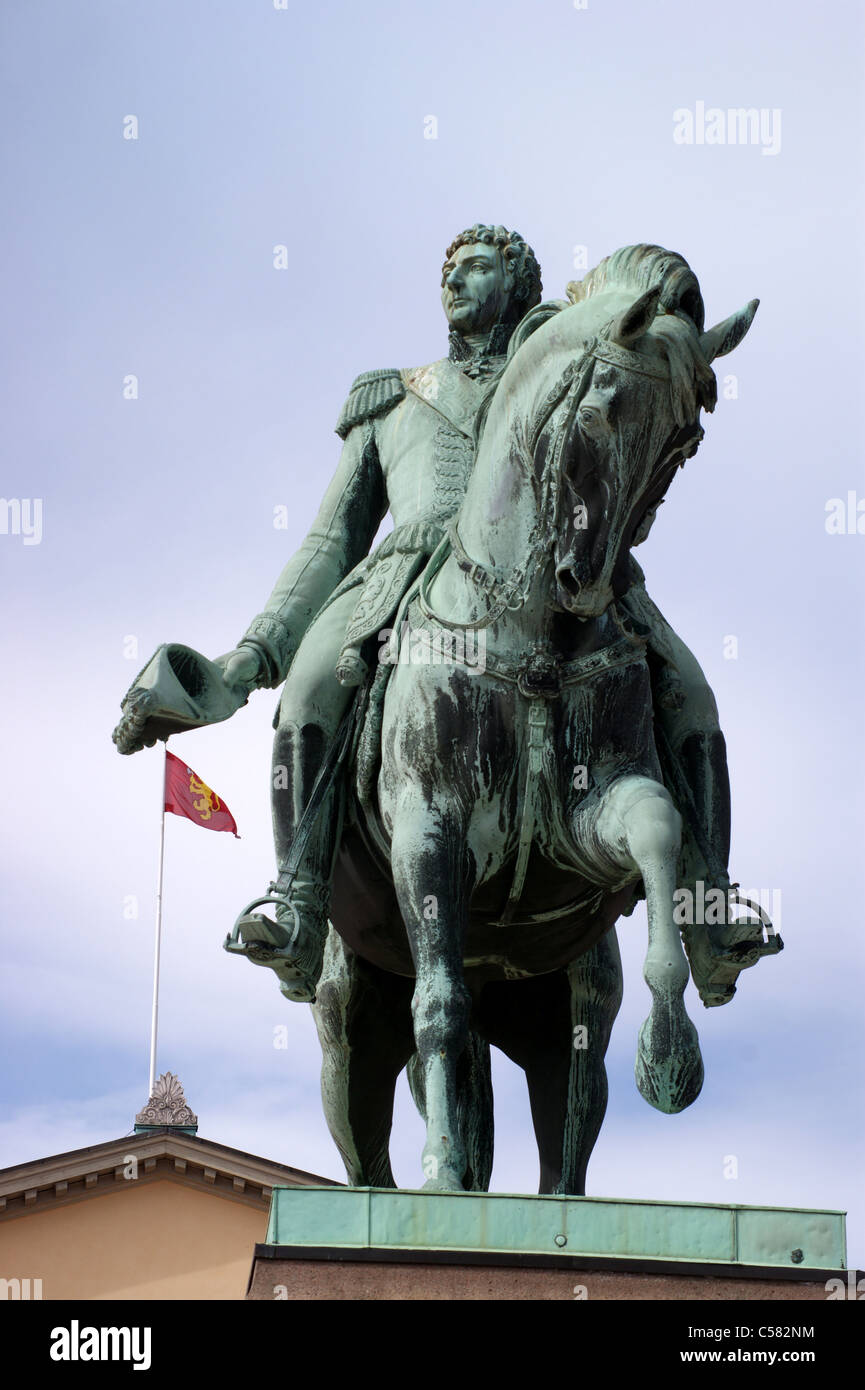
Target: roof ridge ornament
{"type": "Point", "coordinates": [167, 1106]}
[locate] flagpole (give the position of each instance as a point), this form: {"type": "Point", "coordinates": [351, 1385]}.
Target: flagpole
{"type": "Point", "coordinates": [158, 930]}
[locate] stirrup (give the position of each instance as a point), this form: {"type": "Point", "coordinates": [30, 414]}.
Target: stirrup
{"type": "Point", "coordinates": [765, 940]}
{"type": "Point", "coordinates": [272, 930]}
{"type": "Point", "coordinates": [717, 954]}
{"type": "Point", "coordinates": [271, 944]}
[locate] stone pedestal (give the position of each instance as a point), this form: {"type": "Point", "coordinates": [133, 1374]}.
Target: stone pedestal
{"type": "Point", "coordinates": [373, 1243]}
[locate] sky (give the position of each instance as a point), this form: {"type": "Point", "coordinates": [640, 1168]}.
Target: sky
{"type": "Point", "coordinates": [165, 387]}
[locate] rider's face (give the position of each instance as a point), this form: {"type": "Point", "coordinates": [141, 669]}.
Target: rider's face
{"type": "Point", "coordinates": [475, 288]}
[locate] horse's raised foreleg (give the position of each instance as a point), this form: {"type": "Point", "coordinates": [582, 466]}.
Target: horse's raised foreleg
{"type": "Point", "coordinates": [429, 861]}
{"type": "Point", "coordinates": [640, 824]}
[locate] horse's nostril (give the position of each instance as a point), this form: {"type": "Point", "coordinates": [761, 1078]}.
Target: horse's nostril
{"type": "Point", "coordinates": [568, 588]}
{"type": "Point", "coordinates": [568, 581]}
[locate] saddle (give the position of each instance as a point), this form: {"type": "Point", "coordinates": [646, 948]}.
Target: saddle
{"type": "Point", "coordinates": [385, 578]}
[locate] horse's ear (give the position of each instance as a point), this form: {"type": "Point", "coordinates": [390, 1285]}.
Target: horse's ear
{"type": "Point", "coordinates": [718, 341]}
{"type": "Point", "coordinates": [637, 320]}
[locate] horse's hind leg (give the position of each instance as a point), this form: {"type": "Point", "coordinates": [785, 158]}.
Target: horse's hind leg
{"type": "Point", "coordinates": [363, 1017]}
{"type": "Point", "coordinates": [557, 1028]}
{"type": "Point", "coordinates": [595, 990]}
{"type": "Point", "coordinates": [639, 825]}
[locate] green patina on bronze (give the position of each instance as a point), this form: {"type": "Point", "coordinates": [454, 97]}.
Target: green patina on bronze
{"type": "Point", "coordinates": [474, 822]}
{"type": "Point", "coordinates": [495, 1223]}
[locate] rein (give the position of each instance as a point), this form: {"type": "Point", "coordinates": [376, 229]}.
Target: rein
{"type": "Point", "coordinates": [509, 595]}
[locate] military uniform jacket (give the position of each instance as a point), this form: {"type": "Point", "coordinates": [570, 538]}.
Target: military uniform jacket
{"type": "Point", "coordinates": [409, 448]}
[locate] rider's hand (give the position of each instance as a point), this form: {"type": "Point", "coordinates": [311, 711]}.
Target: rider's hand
{"type": "Point", "coordinates": [241, 668]}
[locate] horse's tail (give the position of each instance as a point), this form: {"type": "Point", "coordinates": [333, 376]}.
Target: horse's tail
{"type": "Point", "coordinates": [474, 1108]}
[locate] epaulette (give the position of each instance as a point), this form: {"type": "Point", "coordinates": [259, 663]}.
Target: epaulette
{"type": "Point", "coordinates": [371, 394]}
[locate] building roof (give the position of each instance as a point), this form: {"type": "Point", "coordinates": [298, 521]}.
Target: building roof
{"type": "Point", "coordinates": [159, 1154]}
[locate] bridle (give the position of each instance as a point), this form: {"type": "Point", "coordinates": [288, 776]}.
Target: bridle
{"type": "Point", "coordinates": [510, 595]}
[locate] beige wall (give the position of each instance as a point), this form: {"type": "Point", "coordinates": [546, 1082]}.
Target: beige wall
{"type": "Point", "coordinates": [156, 1239]}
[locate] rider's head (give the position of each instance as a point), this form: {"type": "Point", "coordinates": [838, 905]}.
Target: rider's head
{"type": "Point", "coordinates": [490, 277]}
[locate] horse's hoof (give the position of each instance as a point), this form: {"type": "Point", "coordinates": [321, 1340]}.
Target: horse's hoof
{"type": "Point", "coordinates": [669, 1076]}
{"type": "Point", "coordinates": [445, 1182]}
{"type": "Point", "coordinates": [442, 1175]}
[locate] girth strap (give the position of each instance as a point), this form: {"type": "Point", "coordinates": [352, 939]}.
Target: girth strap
{"type": "Point", "coordinates": [539, 675]}
{"type": "Point", "coordinates": [538, 719]}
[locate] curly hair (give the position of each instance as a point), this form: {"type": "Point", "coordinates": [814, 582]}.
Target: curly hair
{"type": "Point", "coordinates": [518, 257]}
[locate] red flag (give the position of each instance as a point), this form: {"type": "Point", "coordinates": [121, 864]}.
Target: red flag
{"type": "Point", "coordinates": [186, 795]}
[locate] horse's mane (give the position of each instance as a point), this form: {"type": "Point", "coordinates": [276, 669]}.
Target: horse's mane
{"type": "Point", "coordinates": [677, 326]}
{"type": "Point", "coordinates": [642, 268]}
{"type": "Point", "coordinates": [680, 317]}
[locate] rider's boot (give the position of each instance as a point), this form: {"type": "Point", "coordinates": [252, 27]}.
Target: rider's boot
{"type": "Point", "coordinates": [717, 951]}
{"type": "Point", "coordinates": [293, 944]}
{"type": "Point", "coordinates": [703, 759]}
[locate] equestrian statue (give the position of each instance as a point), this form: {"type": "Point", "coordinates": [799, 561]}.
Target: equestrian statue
{"type": "Point", "coordinates": [490, 744]}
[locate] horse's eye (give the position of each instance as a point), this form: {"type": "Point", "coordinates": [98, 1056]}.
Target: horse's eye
{"type": "Point", "coordinates": [591, 419]}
